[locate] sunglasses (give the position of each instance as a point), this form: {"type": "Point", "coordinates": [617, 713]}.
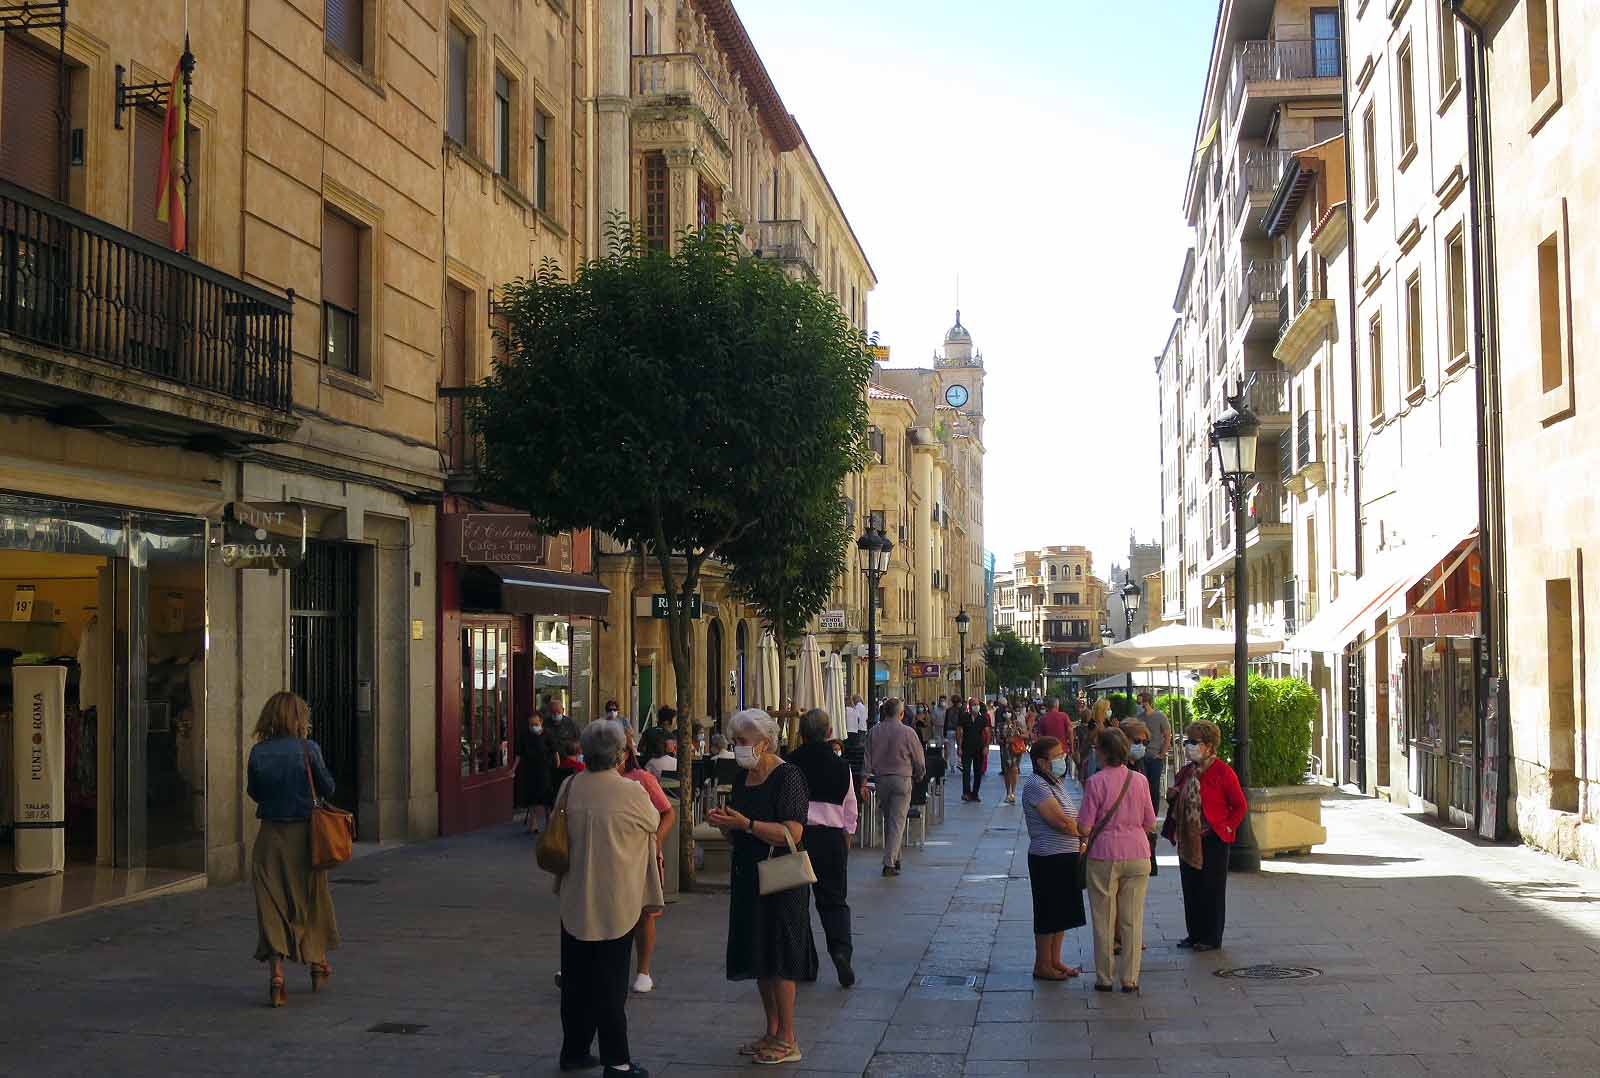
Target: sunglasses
{"type": "Point", "coordinates": [1191, 742]}
{"type": "Point", "coordinates": [1141, 741]}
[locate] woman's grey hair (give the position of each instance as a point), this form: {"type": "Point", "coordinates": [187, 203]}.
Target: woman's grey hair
{"type": "Point", "coordinates": [603, 742]}
{"type": "Point", "coordinates": [815, 725]}
{"type": "Point", "coordinates": [718, 744]}
{"type": "Point", "coordinates": [754, 721]}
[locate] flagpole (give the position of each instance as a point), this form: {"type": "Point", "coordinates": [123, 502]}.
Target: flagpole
{"type": "Point", "coordinates": [186, 64]}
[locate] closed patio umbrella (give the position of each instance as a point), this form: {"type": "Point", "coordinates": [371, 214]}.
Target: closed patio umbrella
{"type": "Point", "coordinates": [808, 691]}
{"type": "Point", "coordinates": [833, 675]}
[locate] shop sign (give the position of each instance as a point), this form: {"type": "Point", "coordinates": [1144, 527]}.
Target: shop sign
{"type": "Point", "coordinates": [502, 539]}
{"type": "Point", "coordinates": [831, 621]}
{"type": "Point", "coordinates": [659, 607]}
{"type": "Point", "coordinates": [921, 669]}
{"type": "Point", "coordinates": [263, 535]}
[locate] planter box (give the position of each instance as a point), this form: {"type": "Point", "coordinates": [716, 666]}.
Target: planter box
{"type": "Point", "coordinates": [1287, 819]}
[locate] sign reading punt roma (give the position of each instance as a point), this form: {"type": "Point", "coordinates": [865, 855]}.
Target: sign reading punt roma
{"type": "Point", "coordinates": [503, 539]}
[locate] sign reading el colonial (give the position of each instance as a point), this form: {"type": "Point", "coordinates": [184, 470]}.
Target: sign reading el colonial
{"type": "Point", "coordinates": [502, 539]}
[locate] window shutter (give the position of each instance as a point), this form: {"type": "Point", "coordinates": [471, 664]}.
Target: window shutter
{"type": "Point", "coordinates": [148, 129]}
{"type": "Point", "coordinates": [30, 132]}
{"type": "Point", "coordinates": [341, 261]}
{"type": "Point", "coordinates": [344, 23]}
{"type": "Point", "coordinates": [456, 334]}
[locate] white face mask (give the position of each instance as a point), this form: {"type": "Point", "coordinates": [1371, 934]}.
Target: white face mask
{"type": "Point", "coordinates": [746, 756]}
{"type": "Point", "coordinates": [611, 713]}
{"type": "Point", "coordinates": [1058, 767]}
{"type": "Point", "coordinates": [1136, 751]}
{"type": "Point", "coordinates": [1196, 753]}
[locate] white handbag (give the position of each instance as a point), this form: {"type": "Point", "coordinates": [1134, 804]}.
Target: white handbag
{"type": "Point", "coordinates": [785, 873]}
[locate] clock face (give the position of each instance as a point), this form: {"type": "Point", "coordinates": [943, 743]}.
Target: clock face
{"type": "Point", "coordinates": [956, 396]}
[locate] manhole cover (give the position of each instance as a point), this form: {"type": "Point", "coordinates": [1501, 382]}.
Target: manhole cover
{"type": "Point", "coordinates": [397, 1027]}
{"type": "Point", "coordinates": [353, 881]}
{"type": "Point", "coordinates": [945, 980]}
{"type": "Point", "coordinates": [1270, 973]}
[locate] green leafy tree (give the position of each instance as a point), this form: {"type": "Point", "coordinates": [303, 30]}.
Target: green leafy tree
{"type": "Point", "coordinates": [1011, 660]}
{"type": "Point", "coordinates": [681, 401]}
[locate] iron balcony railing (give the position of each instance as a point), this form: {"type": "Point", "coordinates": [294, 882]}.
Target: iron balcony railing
{"type": "Point", "coordinates": [674, 77]}
{"type": "Point", "coordinates": [1267, 505]}
{"type": "Point", "coordinates": [460, 443]}
{"type": "Point", "coordinates": [1286, 454]}
{"type": "Point", "coordinates": [788, 241]}
{"type": "Point", "coordinates": [1259, 282]}
{"type": "Point", "coordinates": [1308, 439]}
{"type": "Point", "coordinates": [1259, 173]}
{"type": "Point", "coordinates": [1268, 392]}
{"type": "Point", "coordinates": [71, 282]}
{"type": "Point", "coordinates": [1281, 61]}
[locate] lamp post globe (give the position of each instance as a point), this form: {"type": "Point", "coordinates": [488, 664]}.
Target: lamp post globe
{"type": "Point", "coordinates": [1130, 610]}
{"type": "Point", "coordinates": [962, 623]}
{"type": "Point", "coordinates": [1233, 440]}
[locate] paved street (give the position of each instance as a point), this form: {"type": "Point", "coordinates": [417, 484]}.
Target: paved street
{"type": "Point", "coordinates": [1434, 956]}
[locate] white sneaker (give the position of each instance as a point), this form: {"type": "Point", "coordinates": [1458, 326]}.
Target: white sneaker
{"type": "Point", "coordinates": [643, 983]}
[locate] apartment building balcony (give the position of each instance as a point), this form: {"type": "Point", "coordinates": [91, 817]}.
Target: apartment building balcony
{"type": "Point", "coordinates": [1267, 74]}
{"type": "Point", "coordinates": [1309, 467]}
{"type": "Point", "coordinates": [100, 328]}
{"type": "Point", "coordinates": [1267, 393]}
{"type": "Point", "coordinates": [460, 445]}
{"type": "Point", "coordinates": [1305, 323]}
{"type": "Point", "coordinates": [1257, 303]}
{"type": "Point", "coordinates": [673, 88]}
{"type": "Point", "coordinates": [788, 243]}
{"type": "Point", "coordinates": [1255, 183]}
{"type": "Point", "coordinates": [1267, 524]}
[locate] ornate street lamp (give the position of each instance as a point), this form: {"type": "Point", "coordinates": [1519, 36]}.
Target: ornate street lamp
{"type": "Point", "coordinates": [999, 653]}
{"type": "Point", "coordinates": [1130, 609]}
{"type": "Point", "coordinates": [962, 622]}
{"type": "Point", "coordinates": [1233, 438]}
{"type": "Point", "coordinates": [873, 549]}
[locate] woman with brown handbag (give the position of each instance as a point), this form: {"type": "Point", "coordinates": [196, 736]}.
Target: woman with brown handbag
{"type": "Point", "coordinates": [294, 909]}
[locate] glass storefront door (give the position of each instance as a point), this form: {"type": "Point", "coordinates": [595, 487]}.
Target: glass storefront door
{"type": "Point", "coordinates": [1442, 724]}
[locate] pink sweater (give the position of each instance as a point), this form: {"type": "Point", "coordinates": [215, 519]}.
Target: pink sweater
{"type": "Point", "coordinates": [1125, 835]}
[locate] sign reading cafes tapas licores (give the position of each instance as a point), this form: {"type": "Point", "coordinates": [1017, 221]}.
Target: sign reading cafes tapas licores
{"type": "Point", "coordinates": [503, 539]}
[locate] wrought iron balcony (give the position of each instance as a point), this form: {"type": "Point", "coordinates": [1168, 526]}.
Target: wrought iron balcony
{"type": "Point", "coordinates": [1258, 286]}
{"type": "Point", "coordinates": [73, 284]}
{"type": "Point", "coordinates": [1259, 63]}
{"type": "Point", "coordinates": [460, 444]}
{"type": "Point", "coordinates": [1257, 179]}
{"type": "Point", "coordinates": [678, 78]}
{"type": "Point", "coordinates": [1268, 395]}
{"type": "Point", "coordinates": [788, 243]}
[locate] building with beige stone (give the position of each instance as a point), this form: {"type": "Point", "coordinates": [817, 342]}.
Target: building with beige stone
{"type": "Point", "coordinates": [688, 129]}
{"type": "Point", "coordinates": [1057, 604]}
{"type": "Point", "coordinates": [1540, 256]}
{"type": "Point", "coordinates": [362, 176]}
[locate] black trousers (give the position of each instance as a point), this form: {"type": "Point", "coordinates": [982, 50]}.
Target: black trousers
{"type": "Point", "coordinates": [594, 997]}
{"type": "Point", "coordinates": [830, 858]}
{"type": "Point", "coordinates": [971, 774]}
{"type": "Point", "coordinates": [1155, 769]}
{"type": "Point", "coordinates": [1205, 892]}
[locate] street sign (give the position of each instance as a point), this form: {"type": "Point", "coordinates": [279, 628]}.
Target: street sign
{"type": "Point", "coordinates": [660, 609]}
{"type": "Point", "coordinates": [263, 535]}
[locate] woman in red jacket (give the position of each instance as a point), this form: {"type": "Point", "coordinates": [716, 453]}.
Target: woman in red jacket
{"type": "Point", "coordinates": [1204, 810]}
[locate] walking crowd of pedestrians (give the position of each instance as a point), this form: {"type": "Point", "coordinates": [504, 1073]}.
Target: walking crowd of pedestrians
{"type": "Point", "coordinates": [1089, 801]}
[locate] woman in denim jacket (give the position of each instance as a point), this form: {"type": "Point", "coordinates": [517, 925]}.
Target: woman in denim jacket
{"type": "Point", "coordinates": [294, 910]}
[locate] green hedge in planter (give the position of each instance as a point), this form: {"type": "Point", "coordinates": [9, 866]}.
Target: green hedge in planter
{"type": "Point", "coordinates": [1122, 705]}
{"type": "Point", "coordinates": [1282, 712]}
{"type": "Point", "coordinates": [1177, 709]}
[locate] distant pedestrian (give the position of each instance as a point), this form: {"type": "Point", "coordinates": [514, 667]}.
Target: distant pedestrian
{"type": "Point", "coordinates": [831, 818]}
{"type": "Point", "coordinates": [1050, 809]}
{"type": "Point", "coordinates": [1099, 719]}
{"type": "Point", "coordinates": [973, 730]}
{"type": "Point", "coordinates": [294, 908]}
{"type": "Point", "coordinates": [559, 722]}
{"type": "Point", "coordinates": [1057, 724]}
{"type": "Point", "coordinates": [1155, 761]}
{"type": "Point", "coordinates": [1118, 819]}
{"type": "Point", "coordinates": [611, 878]}
{"type": "Point", "coordinates": [1013, 747]}
{"type": "Point", "coordinates": [1205, 808]}
{"type": "Point", "coordinates": [644, 935]}
{"type": "Point", "coordinates": [855, 738]}
{"type": "Point", "coordinates": [769, 936]}
{"type": "Point", "coordinates": [895, 763]}
{"type": "Point", "coordinates": [533, 771]}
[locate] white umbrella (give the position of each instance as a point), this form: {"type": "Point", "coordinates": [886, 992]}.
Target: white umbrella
{"type": "Point", "coordinates": [767, 669]}
{"type": "Point", "coordinates": [1182, 646]}
{"type": "Point", "coordinates": [833, 675]}
{"type": "Point", "coordinates": [808, 692]}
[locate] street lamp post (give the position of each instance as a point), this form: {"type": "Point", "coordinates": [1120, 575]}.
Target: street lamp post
{"type": "Point", "coordinates": [1233, 439]}
{"type": "Point", "coordinates": [1107, 637]}
{"type": "Point", "coordinates": [873, 548]}
{"type": "Point", "coordinates": [962, 621]}
{"type": "Point", "coordinates": [999, 653]}
{"type": "Point", "coordinates": [1130, 608]}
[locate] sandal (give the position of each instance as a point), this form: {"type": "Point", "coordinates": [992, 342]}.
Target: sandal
{"type": "Point", "coordinates": [320, 972]}
{"type": "Point", "coordinates": [778, 1051]}
{"type": "Point", "coordinates": [1053, 975]}
{"type": "Point", "coordinates": [755, 1046]}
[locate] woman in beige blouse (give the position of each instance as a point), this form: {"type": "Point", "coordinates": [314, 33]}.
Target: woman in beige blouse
{"type": "Point", "coordinates": [611, 829]}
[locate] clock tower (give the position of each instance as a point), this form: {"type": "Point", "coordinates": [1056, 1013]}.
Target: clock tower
{"type": "Point", "coordinates": [960, 368]}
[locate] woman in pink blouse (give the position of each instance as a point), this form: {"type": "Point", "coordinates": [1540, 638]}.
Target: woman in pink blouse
{"type": "Point", "coordinates": [1118, 818]}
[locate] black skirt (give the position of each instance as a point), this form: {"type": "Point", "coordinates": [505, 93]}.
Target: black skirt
{"type": "Point", "coordinates": [1057, 902]}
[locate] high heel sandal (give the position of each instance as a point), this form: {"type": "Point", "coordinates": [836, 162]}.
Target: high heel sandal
{"type": "Point", "coordinates": [277, 995]}
{"type": "Point", "coordinates": [320, 972]}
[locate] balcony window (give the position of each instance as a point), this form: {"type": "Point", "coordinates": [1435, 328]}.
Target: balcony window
{"type": "Point", "coordinates": [341, 292]}
{"type": "Point", "coordinates": [1327, 44]}
{"type": "Point", "coordinates": [656, 216]}
{"type": "Point", "coordinates": [30, 134]}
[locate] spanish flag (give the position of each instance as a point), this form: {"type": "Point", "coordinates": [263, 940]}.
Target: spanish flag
{"type": "Point", "coordinates": [173, 190]}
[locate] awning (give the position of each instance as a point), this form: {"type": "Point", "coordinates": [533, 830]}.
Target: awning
{"type": "Point", "coordinates": [1353, 613]}
{"type": "Point", "coordinates": [522, 589]}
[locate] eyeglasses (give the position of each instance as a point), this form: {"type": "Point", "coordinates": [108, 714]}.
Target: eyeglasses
{"type": "Point", "coordinates": [1190, 742]}
{"type": "Point", "coordinates": [1141, 741]}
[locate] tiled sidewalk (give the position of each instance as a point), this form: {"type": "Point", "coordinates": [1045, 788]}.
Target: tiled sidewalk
{"type": "Point", "coordinates": [1435, 955]}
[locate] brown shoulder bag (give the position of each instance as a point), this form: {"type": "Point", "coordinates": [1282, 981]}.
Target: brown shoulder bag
{"type": "Point", "coordinates": [333, 830]}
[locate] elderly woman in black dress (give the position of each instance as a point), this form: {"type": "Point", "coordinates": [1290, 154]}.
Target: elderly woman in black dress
{"type": "Point", "coordinates": [769, 936]}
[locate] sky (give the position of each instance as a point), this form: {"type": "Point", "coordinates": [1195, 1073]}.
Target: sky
{"type": "Point", "coordinates": [1038, 150]}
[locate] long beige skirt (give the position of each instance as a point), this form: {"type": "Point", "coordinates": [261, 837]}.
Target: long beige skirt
{"type": "Point", "coordinates": [294, 910]}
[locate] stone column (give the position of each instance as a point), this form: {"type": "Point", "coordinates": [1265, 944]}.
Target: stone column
{"type": "Point", "coordinates": [613, 102]}
{"type": "Point", "coordinates": [683, 191]}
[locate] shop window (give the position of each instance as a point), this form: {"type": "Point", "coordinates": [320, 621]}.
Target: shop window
{"type": "Point", "coordinates": [485, 697]}
{"type": "Point", "coordinates": [657, 219]}
{"type": "Point", "coordinates": [341, 292]}
{"type": "Point", "coordinates": [1560, 695]}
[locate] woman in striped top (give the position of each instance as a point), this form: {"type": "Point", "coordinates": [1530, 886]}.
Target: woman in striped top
{"type": "Point", "coordinates": [1051, 811]}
